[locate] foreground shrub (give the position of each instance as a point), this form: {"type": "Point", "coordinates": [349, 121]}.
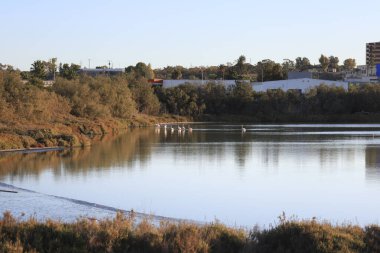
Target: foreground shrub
{"type": "Point", "coordinates": [372, 238]}
{"type": "Point", "coordinates": [309, 237]}
{"type": "Point", "coordinates": [125, 234]}
{"type": "Point", "coordinates": [121, 234]}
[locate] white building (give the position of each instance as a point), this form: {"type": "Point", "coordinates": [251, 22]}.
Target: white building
{"type": "Point", "coordinates": [303, 84]}
{"type": "Point", "coordinates": [362, 74]}
{"type": "Point", "coordinates": [175, 83]}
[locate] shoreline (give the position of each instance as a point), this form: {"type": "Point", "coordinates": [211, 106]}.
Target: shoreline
{"type": "Point", "coordinates": [32, 150]}
{"type": "Point", "coordinates": [89, 140]}
{"type": "Point", "coordinates": [72, 132]}
{"type": "Point", "coordinates": [119, 231]}
{"type": "Point", "coordinates": [74, 208]}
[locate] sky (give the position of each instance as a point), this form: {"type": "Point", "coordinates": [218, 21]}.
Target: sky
{"type": "Point", "coordinates": [187, 33]}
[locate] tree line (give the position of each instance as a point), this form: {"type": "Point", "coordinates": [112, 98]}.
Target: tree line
{"type": "Point", "coordinates": [265, 70]}
{"type": "Point", "coordinates": [125, 95]}
{"type": "Point", "coordinates": [240, 69]}
{"type": "Point", "coordinates": [272, 105]}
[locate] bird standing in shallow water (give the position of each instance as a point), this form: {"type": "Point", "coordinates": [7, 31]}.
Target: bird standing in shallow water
{"type": "Point", "coordinates": [243, 130]}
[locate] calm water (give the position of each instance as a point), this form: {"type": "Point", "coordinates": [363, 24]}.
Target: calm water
{"type": "Point", "coordinates": [325, 171]}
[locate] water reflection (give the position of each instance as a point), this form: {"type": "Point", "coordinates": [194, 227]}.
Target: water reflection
{"type": "Point", "coordinates": [269, 150]}
{"type": "Point", "coordinates": [270, 156]}
{"type": "Point", "coordinates": [118, 152]}
{"type": "Point", "coordinates": [372, 163]}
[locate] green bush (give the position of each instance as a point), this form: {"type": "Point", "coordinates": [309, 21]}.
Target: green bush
{"type": "Point", "coordinates": [97, 97]}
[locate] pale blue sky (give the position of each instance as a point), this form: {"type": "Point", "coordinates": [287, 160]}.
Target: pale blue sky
{"type": "Point", "coordinates": [196, 32]}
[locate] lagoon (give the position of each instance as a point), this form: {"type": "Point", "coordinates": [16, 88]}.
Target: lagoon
{"type": "Point", "coordinates": [329, 172]}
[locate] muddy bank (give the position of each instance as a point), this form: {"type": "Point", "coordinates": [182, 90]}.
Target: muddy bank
{"type": "Point", "coordinates": [71, 132]}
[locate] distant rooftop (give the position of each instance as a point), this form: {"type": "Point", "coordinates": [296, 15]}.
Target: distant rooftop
{"type": "Point", "coordinates": [103, 70]}
{"type": "Point", "coordinates": [302, 84]}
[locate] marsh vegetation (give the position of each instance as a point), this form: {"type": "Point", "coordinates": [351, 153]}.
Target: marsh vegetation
{"type": "Point", "coordinates": [123, 234]}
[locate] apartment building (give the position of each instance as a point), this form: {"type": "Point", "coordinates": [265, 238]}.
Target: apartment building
{"type": "Point", "coordinates": [373, 54]}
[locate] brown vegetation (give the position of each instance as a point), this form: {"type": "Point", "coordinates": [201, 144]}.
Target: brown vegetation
{"type": "Point", "coordinates": [124, 234]}
{"type": "Point", "coordinates": [71, 112]}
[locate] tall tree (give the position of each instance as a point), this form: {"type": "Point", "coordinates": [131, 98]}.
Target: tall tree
{"type": "Point", "coordinates": [334, 62]}
{"type": "Point", "coordinates": [140, 70]}
{"type": "Point", "coordinates": [324, 61]}
{"type": "Point", "coordinates": [287, 66]}
{"type": "Point", "coordinates": [302, 64]}
{"type": "Point", "coordinates": [176, 74]}
{"type": "Point", "coordinates": [240, 65]}
{"type": "Point", "coordinates": [69, 71]}
{"type": "Point", "coordinates": [222, 70]}
{"type": "Point", "coordinates": [269, 71]}
{"type": "Point", "coordinates": [349, 64]}
{"type": "Point", "coordinates": [39, 69]}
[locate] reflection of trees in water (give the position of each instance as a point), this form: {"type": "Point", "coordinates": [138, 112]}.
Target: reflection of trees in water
{"type": "Point", "coordinates": [123, 151]}
{"type": "Point", "coordinates": [271, 155]}
{"type": "Point", "coordinates": [328, 157]}
{"type": "Point", "coordinates": [136, 147]}
{"type": "Point", "coordinates": [331, 156]}
{"type": "Point", "coordinates": [242, 151]}
{"type": "Point", "coordinates": [193, 146]}
{"type": "Point", "coordinates": [212, 145]}
{"type": "Point", "coordinates": [120, 151]}
{"type": "Point", "coordinates": [372, 163]}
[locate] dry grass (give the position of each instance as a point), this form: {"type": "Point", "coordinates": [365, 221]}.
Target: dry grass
{"type": "Point", "coordinates": [124, 234]}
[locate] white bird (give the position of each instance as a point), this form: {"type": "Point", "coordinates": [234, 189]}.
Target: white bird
{"type": "Point", "coordinates": [172, 129]}
{"type": "Point", "coordinates": [243, 130]}
{"type": "Point", "coordinates": [165, 126]}
{"type": "Point", "coordinates": [183, 128]}
{"type": "Point", "coordinates": [190, 130]}
{"type": "Point", "coordinates": [179, 129]}
{"type": "Point", "coordinates": [157, 125]}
